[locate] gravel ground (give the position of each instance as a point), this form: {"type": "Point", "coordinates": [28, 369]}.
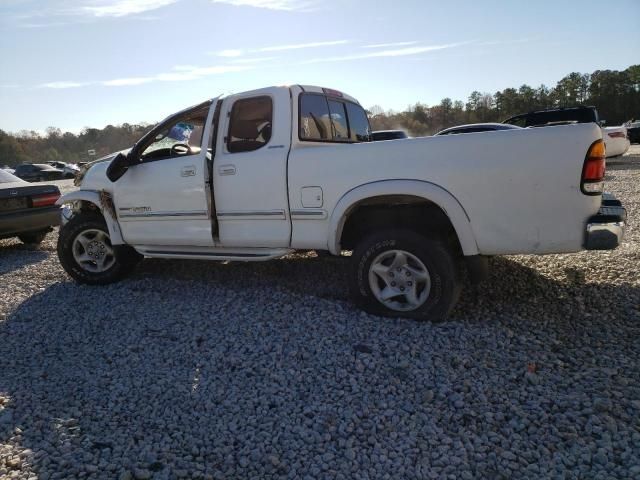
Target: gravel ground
{"type": "Point", "coordinates": [213, 370]}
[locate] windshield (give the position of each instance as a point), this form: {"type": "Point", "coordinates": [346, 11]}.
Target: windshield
{"type": "Point", "coordinates": [187, 131]}
{"type": "Point", "coordinates": [179, 134]}
{"type": "Point", "coordinates": [6, 177]}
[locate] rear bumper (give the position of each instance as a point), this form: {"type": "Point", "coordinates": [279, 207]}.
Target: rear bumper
{"type": "Point", "coordinates": [12, 224]}
{"type": "Point", "coordinates": [605, 230]}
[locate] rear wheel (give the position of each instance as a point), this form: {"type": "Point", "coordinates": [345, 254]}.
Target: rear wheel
{"type": "Point", "coordinates": [86, 253]}
{"type": "Point", "coordinates": [399, 273]}
{"type": "Point", "coordinates": [33, 238]}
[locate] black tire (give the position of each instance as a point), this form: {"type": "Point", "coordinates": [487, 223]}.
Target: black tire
{"type": "Point", "coordinates": [126, 258]}
{"type": "Point", "coordinates": [33, 238]}
{"type": "Point", "coordinates": [435, 255]}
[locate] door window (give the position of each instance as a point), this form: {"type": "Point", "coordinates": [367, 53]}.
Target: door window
{"type": "Point", "coordinates": [250, 124]}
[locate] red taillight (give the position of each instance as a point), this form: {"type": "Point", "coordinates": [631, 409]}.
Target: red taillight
{"type": "Point", "coordinates": [44, 200]}
{"type": "Point", "coordinates": [593, 170]}
{"type": "Point", "coordinates": [617, 135]}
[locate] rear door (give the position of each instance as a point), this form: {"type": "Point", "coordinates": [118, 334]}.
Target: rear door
{"type": "Point", "coordinates": [164, 199]}
{"type": "Point", "coordinates": [250, 169]}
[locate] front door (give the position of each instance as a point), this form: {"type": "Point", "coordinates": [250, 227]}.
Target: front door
{"type": "Point", "coordinates": [164, 198]}
{"type": "Point", "coordinates": [250, 170]}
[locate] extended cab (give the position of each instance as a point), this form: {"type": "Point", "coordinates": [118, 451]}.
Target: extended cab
{"type": "Point", "coordinates": [258, 175]}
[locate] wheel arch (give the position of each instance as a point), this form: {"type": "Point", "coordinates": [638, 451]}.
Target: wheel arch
{"type": "Point", "coordinates": [421, 190]}
{"type": "Point", "coordinates": [100, 202]}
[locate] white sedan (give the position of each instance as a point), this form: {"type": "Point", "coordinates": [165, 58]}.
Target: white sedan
{"type": "Point", "coordinates": [615, 140]}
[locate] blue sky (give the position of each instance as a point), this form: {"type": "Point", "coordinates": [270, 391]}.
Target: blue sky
{"type": "Point", "coordinates": [76, 63]}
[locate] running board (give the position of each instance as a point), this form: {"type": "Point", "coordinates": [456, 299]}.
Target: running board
{"type": "Point", "coordinates": [239, 254]}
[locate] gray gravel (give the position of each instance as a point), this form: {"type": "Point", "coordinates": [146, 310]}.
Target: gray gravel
{"type": "Point", "coordinates": [212, 370]}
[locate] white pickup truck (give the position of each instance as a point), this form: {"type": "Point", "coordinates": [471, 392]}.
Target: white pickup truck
{"type": "Point", "coordinates": [258, 175]}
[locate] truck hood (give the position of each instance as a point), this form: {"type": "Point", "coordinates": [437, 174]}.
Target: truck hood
{"type": "Point", "coordinates": [95, 171]}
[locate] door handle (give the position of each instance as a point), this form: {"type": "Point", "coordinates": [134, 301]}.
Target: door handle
{"type": "Point", "coordinates": [188, 171]}
{"type": "Point", "coordinates": [227, 169]}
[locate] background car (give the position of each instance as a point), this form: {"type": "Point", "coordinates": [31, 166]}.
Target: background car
{"type": "Point", "coordinates": [633, 132]}
{"type": "Point", "coordinates": [555, 116]}
{"type": "Point", "coordinates": [38, 172]}
{"type": "Point", "coordinates": [69, 169]}
{"type": "Point", "coordinates": [476, 127]}
{"type": "Point", "coordinates": [27, 211]}
{"type": "Point", "coordinates": [380, 135]}
{"type": "Point", "coordinates": [615, 140]}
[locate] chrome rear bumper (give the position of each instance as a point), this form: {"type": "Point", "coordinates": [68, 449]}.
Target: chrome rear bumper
{"type": "Point", "coordinates": [605, 230]}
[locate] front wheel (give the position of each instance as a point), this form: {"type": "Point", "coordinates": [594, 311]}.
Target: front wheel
{"type": "Point", "coordinates": [87, 255]}
{"type": "Point", "coordinates": [399, 273]}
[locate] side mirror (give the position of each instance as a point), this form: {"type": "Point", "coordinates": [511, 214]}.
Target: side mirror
{"type": "Point", "coordinates": [118, 166]}
{"type": "Point", "coordinates": [603, 123]}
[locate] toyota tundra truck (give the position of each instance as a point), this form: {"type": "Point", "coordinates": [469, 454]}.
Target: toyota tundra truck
{"type": "Point", "coordinates": [258, 175]}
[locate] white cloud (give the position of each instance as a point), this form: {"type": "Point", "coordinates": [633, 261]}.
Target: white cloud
{"type": "Point", "coordinates": [253, 60]}
{"type": "Point", "coordinates": [182, 68]}
{"type": "Point", "coordinates": [412, 50]}
{"type": "Point", "coordinates": [394, 44]}
{"type": "Point", "coordinates": [230, 53]}
{"type": "Point", "coordinates": [237, 52]}
{"type": "Point", "coordinates": [60, 85]}
{"type": "Point", "coordinates": [122, 8]}
{"type": "Point", "coordinates": [122, 82]}
{"type": "Point", "coordinates": [398, 52]}
{"type": "Point", "coordinates": [287, 5]}
{"type": "Point", "coordinates": [192, 73]}
{"type": "Point", "coordinates": [180, 73]}
{"type": "Point", "coordinates": [297, 46]}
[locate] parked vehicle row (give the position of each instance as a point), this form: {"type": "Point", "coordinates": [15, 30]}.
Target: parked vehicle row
{"type": "Point", "coordinates": [44, 172]}
{"type": "Point", "coordinates": [257, 175]}
{"type": "Point", "coordinates": [27, 211]}
{"type": "Point", "coordinates": [615, 138]}
{"type": "Point", "coordinates": [38, 172]}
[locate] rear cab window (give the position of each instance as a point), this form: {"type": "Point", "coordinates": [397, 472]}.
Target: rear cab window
{"type": "Point", "coordinates": [329, 119]}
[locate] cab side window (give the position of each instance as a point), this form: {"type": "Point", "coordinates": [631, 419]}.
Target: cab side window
{"type": "Point", "coordinates": [314, 118]}
{"type": "Point", "coordinates": [359, 130]}
{"type": "Point", "coordinates": [325, 119]}
{"type": "Point", "coordinates": [250, 124]}
{"type": "Point", "coordinates": [339, 120]}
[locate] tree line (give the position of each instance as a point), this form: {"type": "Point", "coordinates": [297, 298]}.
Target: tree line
{"type": "Point", "coordinates": [54, 145]}
{"type": "Point", "coordinates": [616, 94]}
